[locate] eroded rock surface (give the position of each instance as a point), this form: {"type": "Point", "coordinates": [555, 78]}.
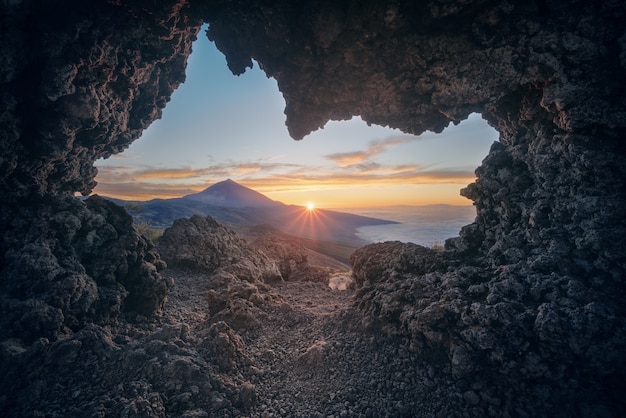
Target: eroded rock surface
{"type": "Point", "coordinates": [236, 273]}
{"type": "Point", "coordinates": [203, 243]}
{"type": "Point", "coordinates": [497, 328]}
{"type": "Point", "coordinates": [525, 308]}
{"type": "Point", "coordinates": [291, 258]}
{"type": "Point", "coordinates": [84, 87]}
{"type": "Point", "coordinates": [82, 262]}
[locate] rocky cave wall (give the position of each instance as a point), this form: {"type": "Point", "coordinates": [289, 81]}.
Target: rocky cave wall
{"type": "Point", "coordinates": [81, 80]}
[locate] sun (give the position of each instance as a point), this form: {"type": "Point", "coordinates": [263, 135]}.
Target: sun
{"type": "Point", "coordinates": [310, 206]}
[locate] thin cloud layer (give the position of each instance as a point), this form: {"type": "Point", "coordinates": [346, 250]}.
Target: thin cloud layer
{"type": "Point", "coordinates": [146, 183]}
{"type": "Point", "coordinates": [147, 173]}
{"type": "Point", "coordinates": [346, 159]}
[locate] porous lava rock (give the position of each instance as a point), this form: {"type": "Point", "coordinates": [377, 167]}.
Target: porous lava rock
{"type": "Point", "coordinates": [129, 371]}
{"type": "Point", "coordinates": [494, 329]}
{"type": "Point", "coordinates": [291, 258]}
{"type": "Point", "coordinates": [531, 295]}
{"type": "Point", "coordinates": [71, 263]}
{"type": "Point", "coordinates": [82, 88]}
{"type": "Point", "coordinates": [203, 243]}
{"type": "Point", "coordinates": [377, 261]}
{"type": "Point", "coordinates": [236, 274]}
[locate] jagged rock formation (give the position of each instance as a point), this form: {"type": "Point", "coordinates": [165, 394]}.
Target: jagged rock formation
{"type": "Point", "coordinates": [292, 259]}
{"type": "Point", "coordinates": [237, 273]}
{"type": "Point", "coordinates": [70, 263]}
{"type": "Point", "coordinates": [532, 292]}
{"type": "Point", "coordinates": [81, 89]}
{"type": "Point", "coordinates": [494, 330]}
{"type": "Point", "coordinates": [84, 89]}
{"type": "Point", "coordinates": [202, 243]}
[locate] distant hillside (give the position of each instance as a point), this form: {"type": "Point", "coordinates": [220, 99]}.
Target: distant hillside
{"type": "Point", "coordinates": [161, 213]}
{"type": "Point", "coordinates": [320, 253]}
{"type": "Point", "coordinates": [233, 204]}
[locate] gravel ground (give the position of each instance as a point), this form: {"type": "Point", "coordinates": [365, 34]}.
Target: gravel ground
{"type": "Point", "coordinates": [311, 354]}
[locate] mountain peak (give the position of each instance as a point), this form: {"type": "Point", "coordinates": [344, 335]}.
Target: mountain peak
{"type": "Point", "coordinates": [230, 194]}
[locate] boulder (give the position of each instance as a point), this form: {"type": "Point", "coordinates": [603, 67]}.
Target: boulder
{"type": "Point", "coordinates": [203, 243]}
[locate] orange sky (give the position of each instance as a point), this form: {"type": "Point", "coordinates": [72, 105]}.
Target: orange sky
{"type": "Point", "coordinates": [328, 195]}
{"type": "Point", "coordinates": [375, 195]}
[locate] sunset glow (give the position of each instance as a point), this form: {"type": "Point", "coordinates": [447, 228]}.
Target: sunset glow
{"type": "Point", "coordinates": [311, 223]}
{"type": "Point", "coordinates": [310, 206]}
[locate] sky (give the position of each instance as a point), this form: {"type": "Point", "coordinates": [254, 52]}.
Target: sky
{"type": "Point", "coordinates": [218, 126]}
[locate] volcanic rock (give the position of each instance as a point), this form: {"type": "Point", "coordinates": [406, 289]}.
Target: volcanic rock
{"type": "Point", "coordinates": [85, 264]}
{"type": "Point", "coordinates": [524, 310]}
{"type": "Point", "coordinates": [292, 259]}
{"type": "Point", "coordinates": [203, 243]}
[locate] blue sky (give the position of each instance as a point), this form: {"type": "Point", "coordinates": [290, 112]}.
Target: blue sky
{"type": "Point", "coordinates": [220, 126]}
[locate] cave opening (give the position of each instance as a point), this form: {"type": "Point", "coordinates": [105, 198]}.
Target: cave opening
{"type": "Point", "coordinates": [219, 127]}
{"type": "Point", "coordinates": [522, 315]}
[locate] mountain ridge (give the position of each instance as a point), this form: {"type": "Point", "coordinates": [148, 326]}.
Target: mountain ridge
{"type": "Point", "coordinates": [231, 203]}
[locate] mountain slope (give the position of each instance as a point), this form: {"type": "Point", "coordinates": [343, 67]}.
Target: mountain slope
{"type": "Point", "coordinates": [231, 194]}
{"type": "Point", "coordinates": [233, 204]}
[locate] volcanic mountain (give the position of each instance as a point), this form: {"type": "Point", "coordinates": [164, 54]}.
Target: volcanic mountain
{"type": "Point", "coordinates": [230, 194]}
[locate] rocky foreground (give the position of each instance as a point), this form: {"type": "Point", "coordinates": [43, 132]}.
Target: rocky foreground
{"type": "Point", "coordinates": [243, 333]}
{"type": "Point", "coordinates": [306, 352]}
{"type": "Point", "coordinates": [253, 329]}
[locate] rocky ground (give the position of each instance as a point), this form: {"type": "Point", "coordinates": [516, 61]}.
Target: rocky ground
{"type": "Point", "coordinates": [295, 347]}
{"type": "Point", "coordinates": [311, 354]}
{"type": "Point", "coordinates": [242, 333]}
{"type": "Point", "coordinates": [255, 328]}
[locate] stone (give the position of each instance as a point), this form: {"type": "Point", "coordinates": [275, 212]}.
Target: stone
{"type": "Point", "coordinates": [202, 243]}
{"type": "Point", "coordinates": [86, 264]}
{"type": "Point", "coordinates": [316, 354]}
{"type": "Point", "coordinates": [247, 395]}
{"type": "Point", "coordinates": [225, 347]}
{"type": "Point", "coordinates": [291, 258]}
{"type": "Point", "coordinates": [471, 397]}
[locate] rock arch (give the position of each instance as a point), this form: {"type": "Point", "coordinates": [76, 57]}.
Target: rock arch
{"type": "Point", "coordinates": [81, 80]}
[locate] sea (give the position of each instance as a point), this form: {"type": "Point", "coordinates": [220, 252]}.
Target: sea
{"type": "Point", "coordinates": [429, 225]}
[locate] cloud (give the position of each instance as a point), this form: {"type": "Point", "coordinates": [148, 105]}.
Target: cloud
{"type": "Point", "coordinates": [392, 176]}
{"type": "Point", "coordinates": [345, 159]}
{"type": "Point", "coordinates": [143, 191]}
{"type": "Point", "coordinates": [143, 183]}
{"type": "Point", "coordinates": [216, 170]}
